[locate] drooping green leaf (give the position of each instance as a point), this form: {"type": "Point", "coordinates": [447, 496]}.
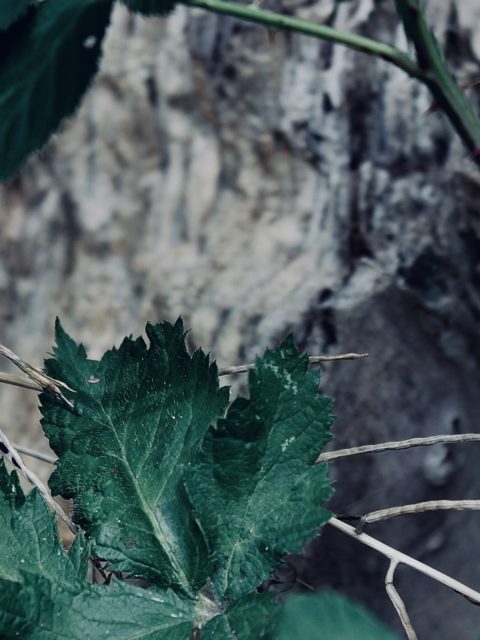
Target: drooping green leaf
{"type": "Point", "coordinates": [11, 11]}
{"type": "Point", "coordinates": [46, 64]}
{"type": "Point", "coordinates": [151, 7]}
{"type": "Point", "coordinates": [256, 490]}
{"type": "Point", "coordinates": [140, 415]}
{"type": "Point", "coordinates": [43, 592]}
{"type": "Point", "coordinates": [29, 539]}
{"type": "Point", "coordinates": [251, 618]}
{"type": "Point", "coordinates": [39, 609]}
{"type": "Point", "coordinates": [328, 617]}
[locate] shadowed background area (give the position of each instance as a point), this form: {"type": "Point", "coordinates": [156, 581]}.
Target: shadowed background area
{"type": "Point", "coordinates": [261, 183]}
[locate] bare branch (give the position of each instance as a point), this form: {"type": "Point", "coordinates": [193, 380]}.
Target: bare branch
{"type": "Point", "coordinates": [242, 368]}
{"type": "Point", "coordinates": [398, 602]}
{"type": "Point", "coordinates": [400, 444]}
{"type": "Point", "coordinates": [18, 381]}
{"type": "Point", "coordinates": [44, 457]}
{"type": "Point", "coordinates": [402, 558]}
{"type": "Point", "coordinates": [9, 452]}
{"type": "Point", "coordinates": [45, 382]}
{"type": "Point", "coordinates": [418, 507]}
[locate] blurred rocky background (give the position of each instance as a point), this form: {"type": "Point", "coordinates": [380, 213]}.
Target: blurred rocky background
{"type": "Point", "coordinates": [259, 183]}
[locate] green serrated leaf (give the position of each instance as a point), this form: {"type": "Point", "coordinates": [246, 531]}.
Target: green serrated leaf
{"type": "Point", "coordinates": [140, 415]}
{"type": "Point", "coordinates": [251, 618]}
{"type": "Point", "coordinates": [11, 11]}
{"type": "Point", "coordinates": [151, 7]}
{"type": "Point", "coordinates": [43, 592]}
{"type": "Point", "coordinates": [47, 62]}
{"type": "Point", "coordinates": [29, 539]}
{"type": "Point", "coordinates": [40, 609]}
{"type": "Point", "coordinates": [328, 617]}
{"type": "Point", "coordinates": [256, 491]}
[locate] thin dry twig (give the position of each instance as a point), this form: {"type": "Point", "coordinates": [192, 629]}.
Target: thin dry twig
{"type": "Point", "coordinates": [397, 601]}
{"type": "Point", "coordinates": [326, 456]}
{"type": "Point", "coordinates": [417, 507]}
{"type": "Point", "coordinates": [44, 457]}
{"type": "Point", "coordinates": [45, 382]}
{"type": "Point", "coordinates": [9, 452]}
{"type": "Point", "coordinates": [19, 381]}
{"type": "Point", "coordinates": [403, 558]}
{"type": "Point", "coordinates": [242, 368]}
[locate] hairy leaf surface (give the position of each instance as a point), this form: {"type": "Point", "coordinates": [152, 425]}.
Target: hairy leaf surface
{"type": "Point", "coordinates": [43, 591]}
{"type": "Point", "coordinates": [140, 415]}
{"type": "Point", "coordinates": [255, 488]}
{"type": "Point", "coordinates": [46, 63]}
{"type": "Point", "coordinates": [29, 539]}
{"type": "Point", "coordinates": [11, 11]}
{"type": "Point", "coordinates": [250, 618]}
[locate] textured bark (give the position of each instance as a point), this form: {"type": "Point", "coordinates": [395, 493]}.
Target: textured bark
{"type": "Point", "coordinates": [256, 184]}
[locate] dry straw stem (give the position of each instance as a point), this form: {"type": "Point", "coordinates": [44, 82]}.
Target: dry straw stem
{"type": "Point", "coordinates": [11, 454]}
{"type": "Point", "coordinates": [242, 368]}
{"type": "Point", "coordinates": [327, 456]}
{"type": "Point", "coordinates": [397, 602]}
{"type": "Point", "coordinates": [417, 507]}
{"type": "Point", "coordinates": [402, 558]}
{"type": "Point", "coordinates": [44, 457]}
{"type": "Point", "coordinates": [45, 382]}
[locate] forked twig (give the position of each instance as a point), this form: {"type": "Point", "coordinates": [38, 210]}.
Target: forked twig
{"type": "Point", "coordinates": [9, 452]}
{"type": "Point", "coordinates": [418, 507]}
{"type": "Point", "coordinates": [403, 558]}
{"type": "Point", "coordinates": [242, 368]}
{"type": "Point", "coordinates": [45, 382]}
{"type": "Point", "coordinates": [326, 456]}
{"type": "Point", "coordinates": [397, 601]}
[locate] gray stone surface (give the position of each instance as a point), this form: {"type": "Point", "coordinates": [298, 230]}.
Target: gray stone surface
{"type": "Point", "coordinates": [257, 184]}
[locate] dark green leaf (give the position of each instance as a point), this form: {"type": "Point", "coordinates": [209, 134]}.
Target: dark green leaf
{"type": "Point", "coordinates": [251, 618]}
{"type": "Point", "coordinates": [11, 11]}
{"type": "Point", "coordinates": [46, 64]}
{"type": "Point", "coordinates": [40, 609]}
{"type": "Point", "coordinates": [151, 7]}
{"type": "Point", "coordinates": [29, 539]}
{"type": "Point", "coordinates": [256, 490]}
{"type": "Point", "coordinates": [43, 593]}
{"type": "Point", "coordinates": [328, 617]}
{"type": "Point", "coordinates": [140, 415]}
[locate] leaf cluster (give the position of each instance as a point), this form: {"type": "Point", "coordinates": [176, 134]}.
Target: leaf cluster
{"type": "Point", "coordinates": [197, 498]}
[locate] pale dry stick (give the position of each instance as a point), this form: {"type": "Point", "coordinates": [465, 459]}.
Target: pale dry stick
{"type": "Point", "coordinates": [45, 382]}
{"type": "Point", "coordinates": [417, 507]}
{"type": "Point", "coordinates": [326, 456]}
{"type": "Point", "coordinates": [9, 452]}
{"type": "Point", "coordinates": [44, 457]}
{"type": "Point", "coordinates": [242, 368]}
{"type": "Point", "coordinates": [397, 602]}
{"type": "Point", "coordinates": [18, 381]}
{"type": "Point", "coordinates": [402, 558]}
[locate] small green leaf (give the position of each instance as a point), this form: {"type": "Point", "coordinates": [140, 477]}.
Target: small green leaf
{"type": "Point", "coordinates": [11, 11]}
{"type": "Point", "coordinates": [43, 592]}
{"type": "Point", "coordinates": [140, 415]}
{"type": "Point", "coordinates": [40, 609]}
{"type": "Point", "coordinates": [151, 7]}
{"type": "Point", "coordinates": [46, 64]}
{"type": "Point", "coordinates": [256, 491]}
{"type": "Point", "coordinates": [251, 618]}
{"type": "Point", "coordinates": [24, 523]}
{"type": "Point", "coordinates": [328, 617]}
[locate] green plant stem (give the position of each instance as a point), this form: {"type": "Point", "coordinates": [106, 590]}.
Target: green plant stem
{"type": "Point", "coordinates": [447, 94]}
{"type": "Point", "coordinates": [271, 20]}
